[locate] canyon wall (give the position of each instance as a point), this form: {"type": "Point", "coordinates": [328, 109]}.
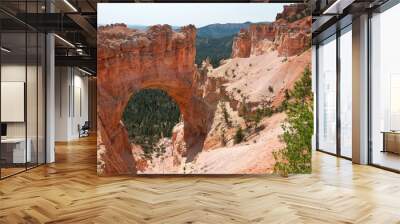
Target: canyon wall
{"type": "Point", "coordinates": [290, 35]}
{"type": "Point", "coordinates": [267, 60]}
{"type": "Point", "coordinates": [293, 12]}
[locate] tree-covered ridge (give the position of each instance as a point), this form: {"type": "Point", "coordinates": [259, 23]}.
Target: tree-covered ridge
{"type": "Point", "coordinates": [219, 30]}
{"type": "Point", "coordinates": [214, 41]}
{"type": "Point", "coordinates": [150, 115]}
{"type": "Point", "coordinates": [215, 49]}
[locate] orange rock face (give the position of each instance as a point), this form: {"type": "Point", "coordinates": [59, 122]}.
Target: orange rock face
{"type": "Point", "coordinates": [293, 44]}
{"type": "Point", "coordinates": [130, 60]}
{"type": "Point", "coordinates": [289, 38]}
{"type": "Point", "coordinates": [241, 47]}
{"type": "Point", "coordinates": [290, 12]}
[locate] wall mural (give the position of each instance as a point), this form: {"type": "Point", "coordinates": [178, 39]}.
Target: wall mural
{"type": "Point", "coordinates": [204, 97]}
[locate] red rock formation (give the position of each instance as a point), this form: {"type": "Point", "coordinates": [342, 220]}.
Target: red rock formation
{"type": "Point", "coordinates": [292, 12]}
{"type": "Point", "coordinates": [263, 31]}
{"type": "Point", "coordinates": [241, 46]}
{"type": "Point", "coordinates": [293, 44]}
{"type": "Point", "coordinates": [130, 60]}
{"type": "Point", "coordinates": [288, 34]}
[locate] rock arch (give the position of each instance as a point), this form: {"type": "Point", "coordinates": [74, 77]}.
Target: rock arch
{"type": "Point", "coordinates": [130, 60]}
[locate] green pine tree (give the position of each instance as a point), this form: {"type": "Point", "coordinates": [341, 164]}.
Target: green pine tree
{"type": "Point", "coordinates": [239, 136]}
{"type": "Point", "coordinates": [298, 130]}
{"type": "Point", "coordinates": [150, 115]}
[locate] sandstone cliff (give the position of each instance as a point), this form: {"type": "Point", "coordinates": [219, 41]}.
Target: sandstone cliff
{"type": "Point", "coordinates": [293, 12]}
{"type": "Point", "coordinates": [288, 35]}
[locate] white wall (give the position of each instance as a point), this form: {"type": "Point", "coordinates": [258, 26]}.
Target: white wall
{"type": "Point", "coordinates": [13, 73]}
{"type": "Point", "coordinates": [61, 103]}
{"type": "Point", "coordinates": [80, 110]}
{"type": "Point", "coordinates": [71, 102]}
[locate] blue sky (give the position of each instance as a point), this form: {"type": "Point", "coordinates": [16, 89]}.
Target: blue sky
{"type": "Point", "coordinates": [179, 14]}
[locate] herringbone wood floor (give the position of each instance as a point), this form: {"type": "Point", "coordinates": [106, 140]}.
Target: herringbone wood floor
{"type": "Point", "coordinates": [69, 191]}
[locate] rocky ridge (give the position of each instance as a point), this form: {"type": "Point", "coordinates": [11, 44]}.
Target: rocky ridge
{"type": "Point", "coordinates": [287, 35]}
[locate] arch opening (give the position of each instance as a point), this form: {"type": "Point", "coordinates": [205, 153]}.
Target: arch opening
{"type": "Point", "coordinates": [150, 117]}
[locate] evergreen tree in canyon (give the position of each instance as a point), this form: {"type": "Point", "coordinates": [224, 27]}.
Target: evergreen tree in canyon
{"type": "Point", "coordinates": [149, 116]}
{"type": "Point", "coordinates": [298, 130]}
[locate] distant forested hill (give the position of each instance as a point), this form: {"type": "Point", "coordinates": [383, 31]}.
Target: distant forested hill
{"type": "Point", "coordinates": [215, 41]}
{"type": "Point", "coordinates": [213, 48]}
{"type": "Point", "coordinates": [221, 30]}
{"type": "Point", "coordinates": [144, 27]}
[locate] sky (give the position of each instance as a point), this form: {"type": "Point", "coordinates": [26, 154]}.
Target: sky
{"type": "Point", "coordinates": [179, 14]}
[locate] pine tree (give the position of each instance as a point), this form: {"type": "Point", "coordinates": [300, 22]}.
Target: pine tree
{"type": "Point", "coordinates": [298, 130]}
{"type": "Point", "coordinates": [150, 115]}
{"type": "Point", "coordinates": [239, 136]}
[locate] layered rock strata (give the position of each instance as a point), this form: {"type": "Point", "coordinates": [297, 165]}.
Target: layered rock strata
{"type": "Point", "coordinates": [288, 35]}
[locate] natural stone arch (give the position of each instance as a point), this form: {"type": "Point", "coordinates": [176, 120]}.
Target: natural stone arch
{"type": "Point", "coordinates": [131, 60]}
